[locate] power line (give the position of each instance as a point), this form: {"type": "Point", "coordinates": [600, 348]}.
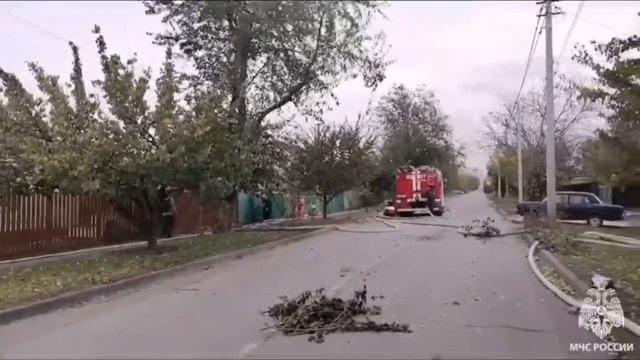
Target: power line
{"type": "Point", "coordinates": [532, 49]}
{"type": "Point", "coordinates": [568, 37]}
{"type": "Point", "coordinates": [35, 26]}
{"type": "Point", "coordinates": [605, 26]}
{"type": "Point", "coordinates": [39, 28]}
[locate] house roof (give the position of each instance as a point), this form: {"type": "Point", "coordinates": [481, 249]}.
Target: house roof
{"type": "Point", "coordinates": [580, 181]}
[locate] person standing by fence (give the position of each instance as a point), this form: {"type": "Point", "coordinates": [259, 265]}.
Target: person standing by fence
{"type": "Point", "coordinates": [266, 207]}
{"type": "Point", "coordinates": [300, 208]}
{"type": "Point", "coordinates": [168, 215]}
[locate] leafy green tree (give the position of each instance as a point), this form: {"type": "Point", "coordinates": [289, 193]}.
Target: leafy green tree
{"type": "Point", "coordinates": [260, 56]}
{"type": "Point", "coordinates": [121, 147]}
{"type": "Point", "coordinates": [616, 65]}
{"type": "Point", "coordinates": [416, 131]}
{"type": "Point", "coordinates": [331, 160]}
{"type": "Point", "coordinates": [43, 134]}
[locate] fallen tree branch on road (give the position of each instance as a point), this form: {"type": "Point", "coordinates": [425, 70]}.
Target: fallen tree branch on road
{"type": "Point", "coordinates": [478, 228]}
{"type": "Point", "coordinates": [313, 313]}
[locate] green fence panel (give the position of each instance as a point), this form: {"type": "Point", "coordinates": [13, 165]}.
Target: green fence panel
{"type": "Point", "coordinates": [278, 206]}
{"type": "Point", "coordinates": [352, 200]}
{"type": "Point", "coordinates": [336, 204]}
{"type": "Point", "coordinates": [289, 209]}
{"type": "Point", "coordinates": [243, 204]}
{"type": "Point", "coordinates": [249, 208]}
{"type": "Point", "coordinates": [283, 205]}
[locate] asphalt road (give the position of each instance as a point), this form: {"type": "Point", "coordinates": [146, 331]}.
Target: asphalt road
{"type": "Point", "coordinates": [500, 309]}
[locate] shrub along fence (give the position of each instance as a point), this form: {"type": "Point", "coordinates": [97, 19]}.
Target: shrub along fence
{"type": "Point", "coordinates": [36, 224]}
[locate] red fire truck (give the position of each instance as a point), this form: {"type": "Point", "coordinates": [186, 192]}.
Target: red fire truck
{"type": "Point", "coordinates": [412, 188]}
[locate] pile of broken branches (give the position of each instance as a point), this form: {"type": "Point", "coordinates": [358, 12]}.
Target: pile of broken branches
{"type": "Point", "coordinates": [313, 313]}
{"type": "Point", "coordinates": [481, 228]}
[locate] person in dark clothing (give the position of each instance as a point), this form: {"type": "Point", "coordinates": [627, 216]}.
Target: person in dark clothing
{"type": "Point", "coordinates": [266, 207]}
{"type": "Point", "coordinates": [431, 198]}
{"type": "Point", "coordinates": [168, 215]}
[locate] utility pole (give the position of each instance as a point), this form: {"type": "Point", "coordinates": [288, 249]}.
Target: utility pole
{"type": "Point", "coordinates": [519, 131]}
{"type": "Point", "coordinates": [499, 181]}
{"type": "Point", "coordinates": [550, 117]}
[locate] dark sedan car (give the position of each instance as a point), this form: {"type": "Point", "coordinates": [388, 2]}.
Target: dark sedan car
{"type": "Point", "coordinates": [575, 206]}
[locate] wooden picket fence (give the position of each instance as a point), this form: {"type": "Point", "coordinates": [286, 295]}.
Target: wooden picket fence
{"type": "Point", "coordinates": [36, 224]}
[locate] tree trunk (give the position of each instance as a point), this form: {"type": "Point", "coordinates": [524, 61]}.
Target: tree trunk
{"type": "Point", "coordinates": [241, 40]}
{"type": "Point", "coordinates": [324, 206]}
{"type": "Point", "coordinates": [506, 187]}
{"type": "Point", "coordinates": [155, 226]}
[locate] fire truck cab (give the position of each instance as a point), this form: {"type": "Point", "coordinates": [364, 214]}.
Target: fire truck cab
{"type": "Point", "coordinates": [412, 189]}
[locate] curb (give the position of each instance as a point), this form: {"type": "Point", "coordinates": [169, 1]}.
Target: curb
{"type": "Point", "coordinates": [567, 274]}
{"type": "Point", "coordinates": [282, 228]}
{"type": "Point", "coordinates": [47, 305]}
{"type": "Point", "coordinates": [629, 332]}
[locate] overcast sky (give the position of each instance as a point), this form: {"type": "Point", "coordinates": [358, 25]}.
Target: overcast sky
{"type": "Point", "coordinates": [471, 54]}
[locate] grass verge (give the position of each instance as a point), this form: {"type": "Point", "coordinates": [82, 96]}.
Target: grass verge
{"type": "Point", "coordinates": [51, 279]}
{"type": "Point", "coordinates": [556, 279]}
{"type": "Point", "coordinates": [617, 263]}
{"type": "Point", "coordinates": [621, 231]}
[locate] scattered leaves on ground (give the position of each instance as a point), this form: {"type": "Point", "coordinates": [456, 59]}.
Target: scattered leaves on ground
{"type": "Point", "coordinates": [313, 313]}
{"type": "Point", "coordinates": [556, 280]}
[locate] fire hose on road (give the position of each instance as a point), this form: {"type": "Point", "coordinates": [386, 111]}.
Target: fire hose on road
{"type": "Point", "coordinates": [628, 323]}
{"type": "Point", "coordinates": [477, 228]}
{"type": "Point", "coordinates": [390, 227]}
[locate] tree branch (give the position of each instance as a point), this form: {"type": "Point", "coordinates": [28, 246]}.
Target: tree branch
{"type": "Point", "coordinates": [253, 78]}
{"type": "Point", "coordinates": [295, 89]}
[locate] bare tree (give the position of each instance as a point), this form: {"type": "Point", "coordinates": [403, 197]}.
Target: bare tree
{"type": "Point", "coordinates": [501, 132]}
